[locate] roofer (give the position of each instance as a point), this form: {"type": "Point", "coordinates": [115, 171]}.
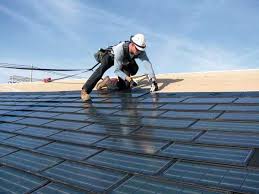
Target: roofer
{"type": "Point", "coordinates": [122, 56]}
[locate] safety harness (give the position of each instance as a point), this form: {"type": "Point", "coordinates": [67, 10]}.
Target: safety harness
{"type": "Point", "coordinates": [132, 66]}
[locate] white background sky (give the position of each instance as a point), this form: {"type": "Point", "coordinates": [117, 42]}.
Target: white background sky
{"type": "Point", "coordinates": [182, 36]}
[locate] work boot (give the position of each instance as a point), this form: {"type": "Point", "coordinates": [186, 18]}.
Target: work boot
{"type": "Point", "coordinates": [103, 83]}
{"type": "Point", "coordinates": [84, 96]}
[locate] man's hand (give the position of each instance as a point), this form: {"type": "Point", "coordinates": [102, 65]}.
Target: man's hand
{"type": "Point", "coordinates": [133, 83]}
{"type": "Point", "coordinates": [154, 87]}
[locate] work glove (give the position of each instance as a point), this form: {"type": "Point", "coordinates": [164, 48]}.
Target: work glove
{"type": "Point", "coordinates": [133, 83]}
{"type": "Point", "coordinates": [154, 87]}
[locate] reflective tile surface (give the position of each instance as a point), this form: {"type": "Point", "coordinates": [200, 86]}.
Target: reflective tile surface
{"type": "Point", "coordinates": [129, 142]}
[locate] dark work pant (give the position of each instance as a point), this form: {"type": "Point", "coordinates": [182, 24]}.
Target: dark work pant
{"type": "Point", "coordinates": [106, 62]}
{"type": "Point", "coordinates": [129, 69]}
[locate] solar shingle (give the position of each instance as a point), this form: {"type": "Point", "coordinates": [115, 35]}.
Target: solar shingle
{"type": "Point", "coordinates": [126, 142]}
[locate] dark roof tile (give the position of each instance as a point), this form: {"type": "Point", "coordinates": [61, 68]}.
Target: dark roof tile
{"type": "Point", "coordinates": [126, 142]}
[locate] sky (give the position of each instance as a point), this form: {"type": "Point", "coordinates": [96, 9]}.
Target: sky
{"type": "Point", "coordinates": [181, 35]}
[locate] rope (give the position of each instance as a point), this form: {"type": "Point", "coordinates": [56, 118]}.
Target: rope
{"type": "Point", "coordinates": [24, 67]}
{"type": "Point", "coordinates": [63, 74]}
{"type": "Point", "coordinates": [91, 69]}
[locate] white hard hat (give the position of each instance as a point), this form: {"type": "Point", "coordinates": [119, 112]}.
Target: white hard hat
{"type": "Point", "coordinates": [139, 41]}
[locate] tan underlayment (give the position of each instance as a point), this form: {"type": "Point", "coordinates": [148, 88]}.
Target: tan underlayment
{"type": "Point", "coordinates": [225, 81]}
